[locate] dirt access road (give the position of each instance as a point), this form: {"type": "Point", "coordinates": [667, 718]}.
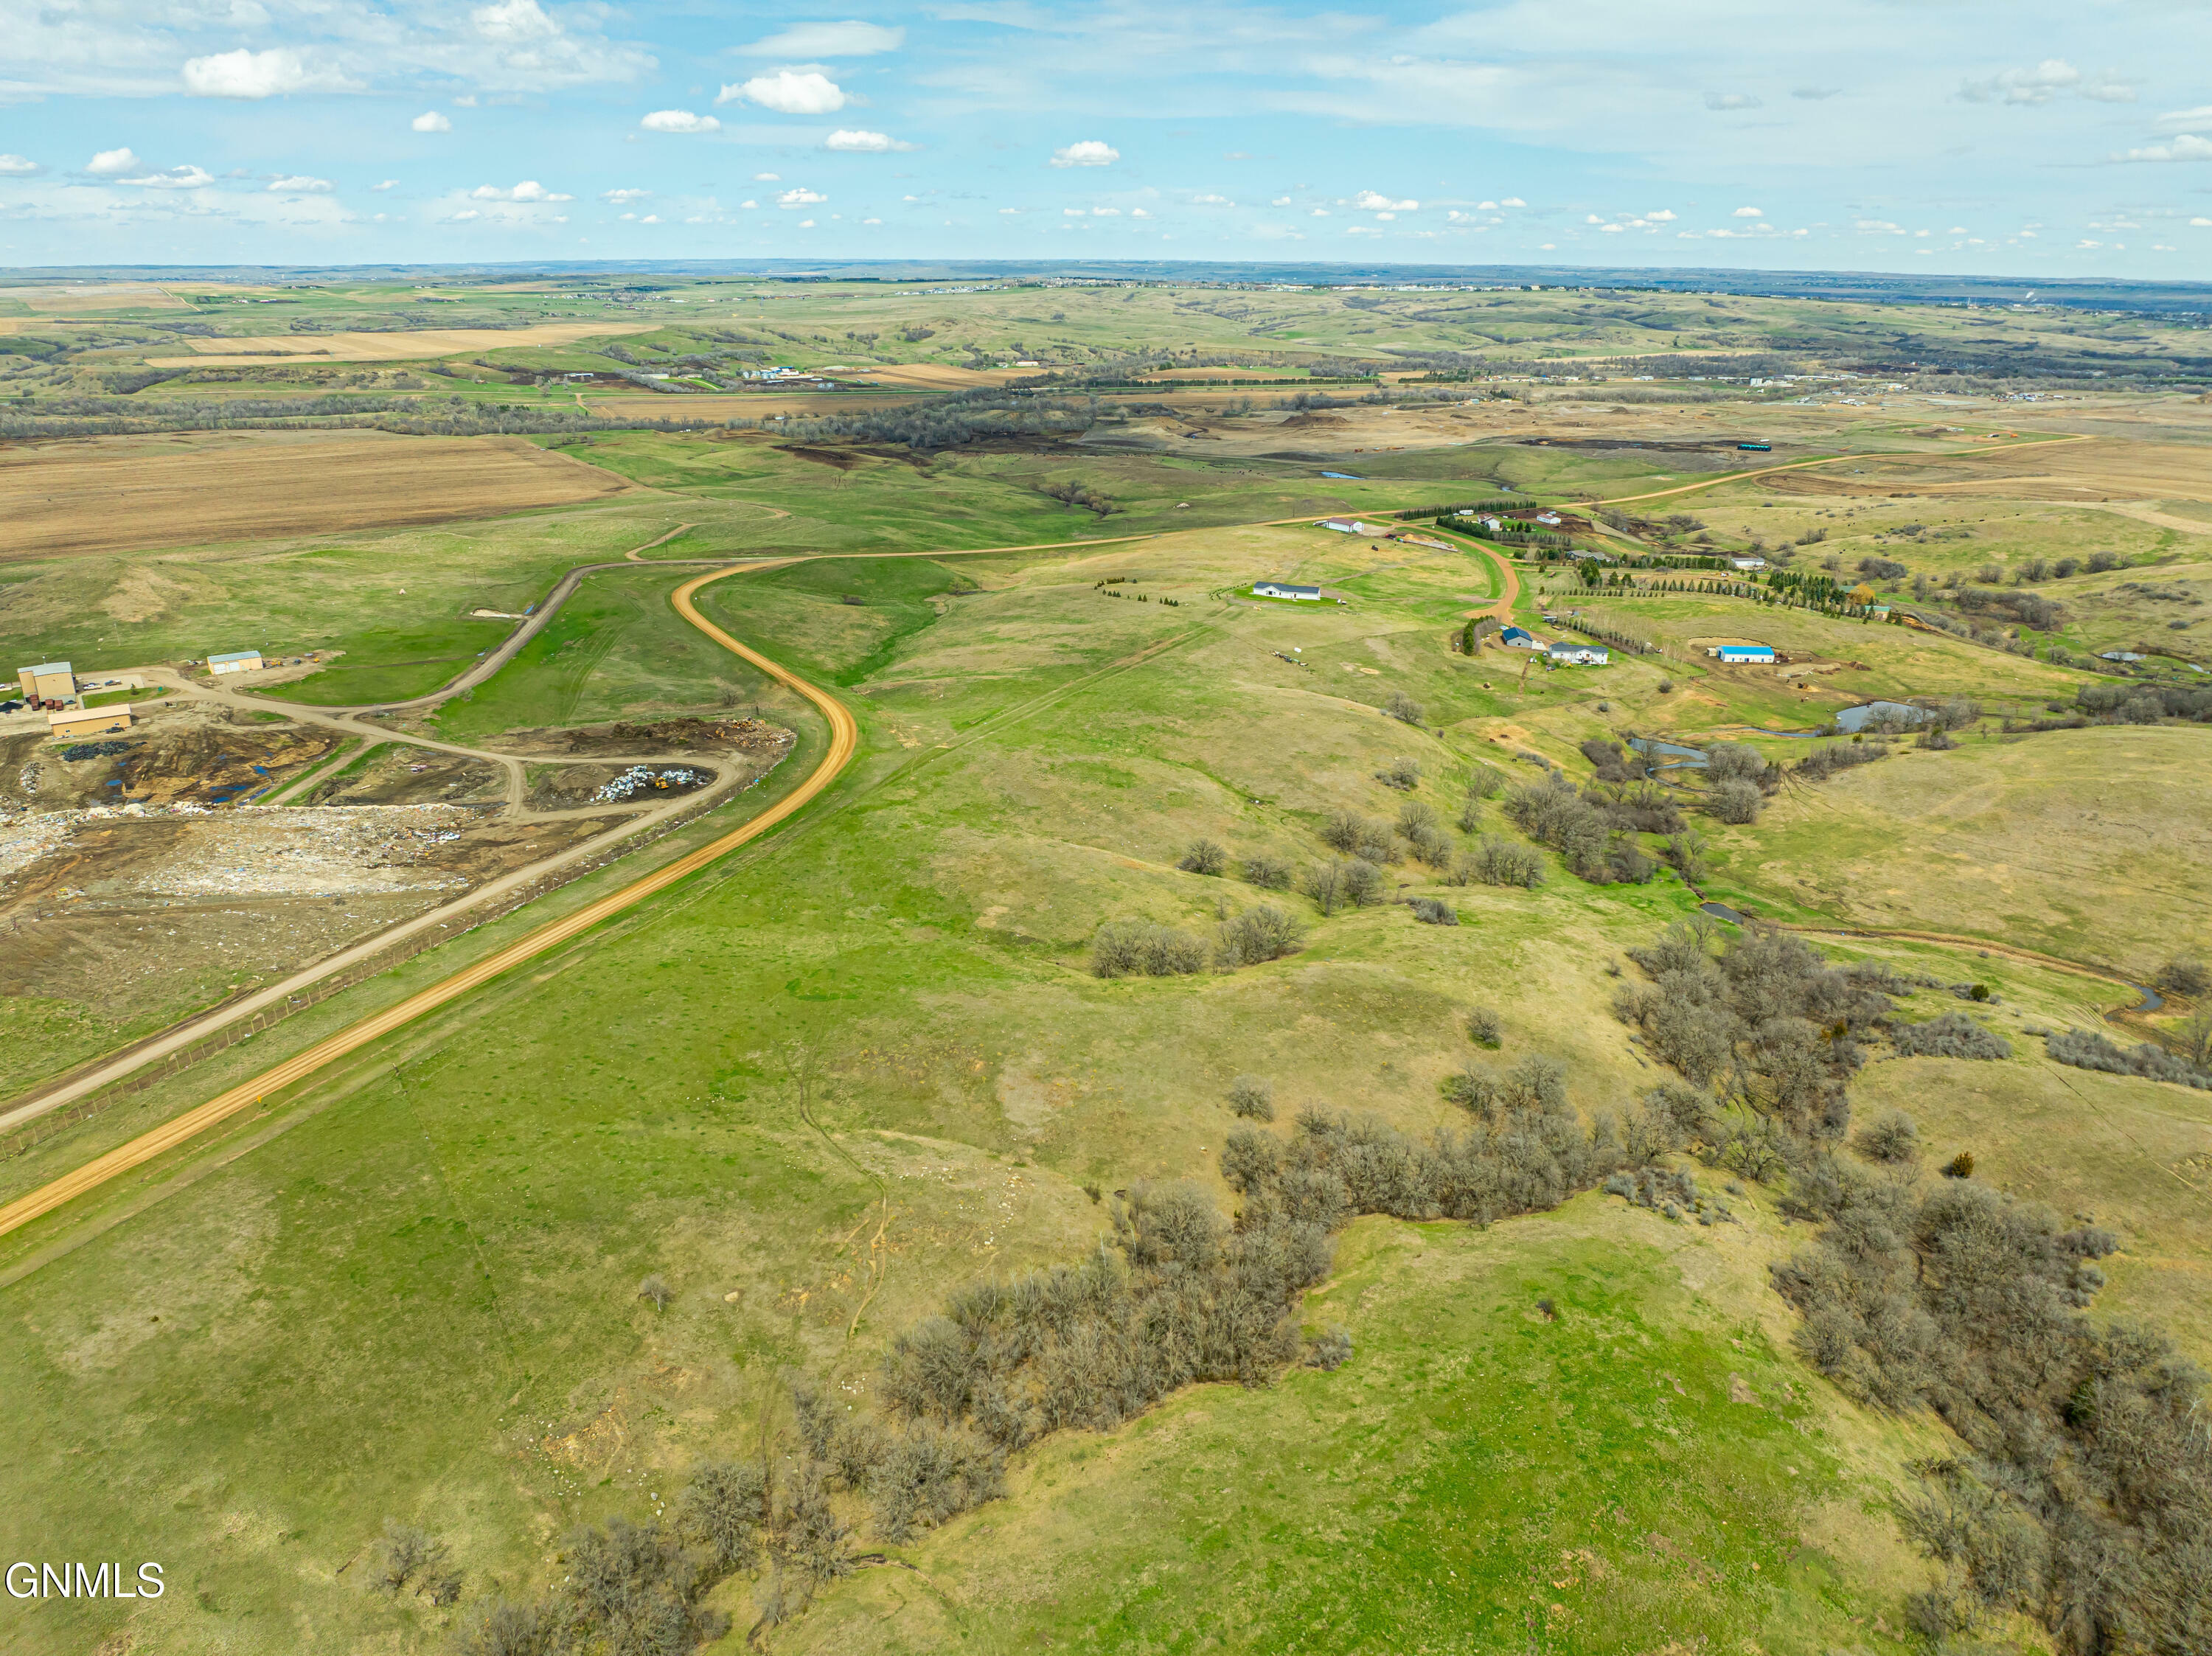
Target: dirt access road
{"type": "Point", "coordinates": [844, 743]}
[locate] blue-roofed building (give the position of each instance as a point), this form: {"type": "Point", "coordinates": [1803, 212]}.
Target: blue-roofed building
{"type": "Point", "coordinates": [1743, 653]}
{"type": "Point", "coordinates": [1519, 638]}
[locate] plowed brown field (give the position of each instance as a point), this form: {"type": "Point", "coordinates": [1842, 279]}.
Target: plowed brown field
{"type": "Point", "coordinates": [119, 494]}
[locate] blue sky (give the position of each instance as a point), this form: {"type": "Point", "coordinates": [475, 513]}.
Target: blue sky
{"type": "Point", "coordinates": [1964, 135]}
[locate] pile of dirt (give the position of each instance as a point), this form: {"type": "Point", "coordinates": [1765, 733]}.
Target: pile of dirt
{"type": "Point", "coordinates": [398, 774]}
{"type": "Point", "coordinates": [751, 736]}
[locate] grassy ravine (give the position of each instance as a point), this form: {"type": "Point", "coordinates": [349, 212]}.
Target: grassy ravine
{"type": "Point", "coordinates": [1478, 1477]}
{"type": "Point", "coordinates": [419, 1302]}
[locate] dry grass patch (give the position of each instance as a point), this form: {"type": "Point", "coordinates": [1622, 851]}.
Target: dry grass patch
{"type": "Point", "coordinates": [123, 495]}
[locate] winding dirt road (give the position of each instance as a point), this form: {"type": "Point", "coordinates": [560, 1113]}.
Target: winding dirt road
{"type": "Point", "coordinates": [844, 743]}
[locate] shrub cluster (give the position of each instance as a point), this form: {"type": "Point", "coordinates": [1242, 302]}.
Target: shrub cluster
{"type": "Point", "coordinates": [1766, 1019]}
{"type": "Point", "coordinates": [1497, 861]}
{"type": "Point", "coordinates": [2087, 1499]}
{"type": "Point", "coordinates": [2087, 1051]}
{"type": "Point", "coordinates": [1357, 883]}
{"type": "Point", "coordinates": [1952, 1035]}
{"type": "Point", "coordinates": [1557, 814]}
{"type": "Point", "coordinates": [2086, 1502]}
{"type": "Point", "coordinates": [1672, 1194]}
{"type": "Point", "coordinates": [1176, 1297]}
{"type": "Point", "coordinates": [1831, 758]}
{"type": "Point", "coordinates": [1126, 949]}
{"type": "Point", "coordinates": [1265, 933]}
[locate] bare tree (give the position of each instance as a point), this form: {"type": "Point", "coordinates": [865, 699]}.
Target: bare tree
{"type": "Point", "coordinates": [1324, 884]}
{"type": "Point", "coordinates": [2195, 1037]}
{"type": "Point", "coordinates": [1204, 857]}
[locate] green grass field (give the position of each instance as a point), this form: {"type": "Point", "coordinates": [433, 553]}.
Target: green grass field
{"type": "Point", "coordinates": [408, 1288]}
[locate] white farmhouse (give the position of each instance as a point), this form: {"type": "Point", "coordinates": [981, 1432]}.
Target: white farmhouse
{"type": "Point", "coordinates": [1282, 589]}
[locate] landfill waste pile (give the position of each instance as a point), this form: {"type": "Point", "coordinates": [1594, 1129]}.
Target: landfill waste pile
{"type": "Point", "coordinates": [639, 777]}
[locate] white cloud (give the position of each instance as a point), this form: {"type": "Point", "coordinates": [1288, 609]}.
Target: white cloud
{"type": "Point", "coordinates": [789, 92]}
{"type": "Point", "coordinates": [513, 20]}
{"type": "Point", "coordinates": [1087, 152]}
{"type": "Point", "coordinates": [2039, 85]}
{"type": "Point", "coordinates": [1105, 212]}
{"type": "Point", "coordinates": [2186, 148]}
{"type": "Point", "coordinates": [1318, 213]}
{"type": "Point", "coordinates": [1361, 230]}
{"type": "Point", "coordinates": [1663, 216]}
{"type": "Point", "coordinates": [463, 216]}
{"type": "Point", "coordinates": [2201, 222]}
{"type": "Point", "coordinates": [847, 40]}
{"type": "Point", "coordinates": [174, 177]}
{"type": "Point", "coordinates": [799, 196]}
{"type": "Point", "coordinates": [1212, 200]}
{"type": "Point", "coordinates": [528, 190]}
{"type": "Point", "coordinates": [1516, 201]}
{"type": "Point", "coordinates": [2174, 119]}
{"type": "Point", "coordinates": [387, 183]}
{"type": "Point", "coordinates": [679, 120]}
{"type": "Point", "coordinates": [1280, 201]}
{"type": "Point", "coordinates": [109, 161]}
{"type": "Point", "coordinates": [1138, 212]}
{"type": "Point", "coordinates": [1592, 218]}
{"type": "Point", "coordinates": [1004, 212]}
{"type": "Point", "coordinates": [1070, 212]}
{"type": "Point", "coordinates": [650, 218]}
{"type": "Point", "coordinates": [623, 197]}
{"type": "Point", "coordinates": [1747, 213]}
{"type": "Point", "coordinates": [859, 142]}
{"type": "Point", "coordinates": [432, 122]}
{"type": "Point", "coordinates": [807, 224]}
{"type": "Point", "coordinates": [243, 74]}
{"type": "Point", "coordinates": [748, 205]}
{"type": "Point", "coordinates": [767, 178]}
{"type": "Point", "coordinates": [1374, 201]}
{"type": "Point", "coordinates": [1956, 230]}
{"type": "Point", "coordinates": [871, 221]}
{"type": "Point", "coordinates": [1546, 247]}
{"type": "Point", "coordinates": [1877, 227]}
{"type": "Point", "coordinates": [1727, 100]}
{"type": "Point", "coordinates": [300, 184]}
{"type": "Point", "coordinates": [1612, 230]}
{"type": "Point", "coordinates": [18, 166]}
